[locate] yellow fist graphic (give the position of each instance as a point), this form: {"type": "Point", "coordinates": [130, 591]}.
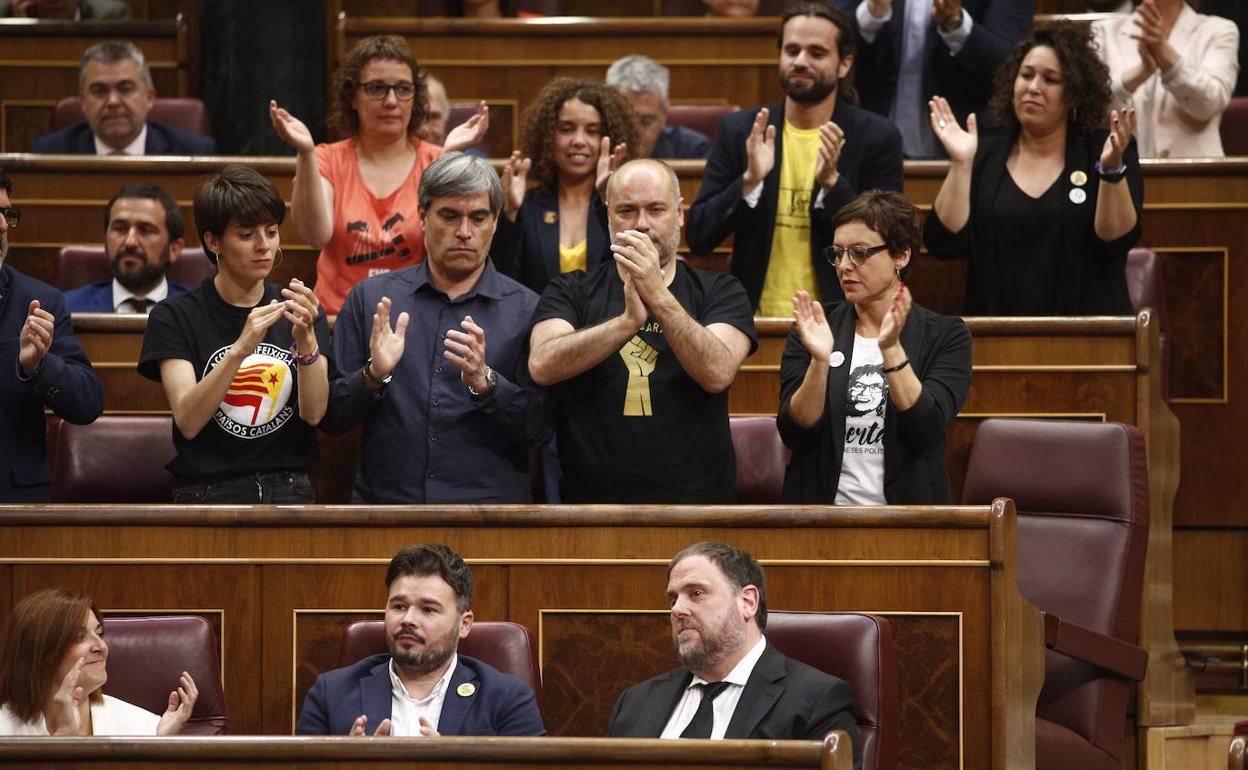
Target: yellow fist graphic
{"type": "Point", "coordinates": [640, 359]}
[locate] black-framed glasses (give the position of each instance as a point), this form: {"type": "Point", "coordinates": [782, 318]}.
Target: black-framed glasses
{"type": "Point", "coordinates": [378, 89]}
{"type": "Point", "coordinates": [11, 217]}
{"type": "Point", "coordinates": [857, 254]}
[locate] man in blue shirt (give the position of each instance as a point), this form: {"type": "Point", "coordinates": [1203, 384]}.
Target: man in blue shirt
{"type": "Point", "coordinates": [446, 418]}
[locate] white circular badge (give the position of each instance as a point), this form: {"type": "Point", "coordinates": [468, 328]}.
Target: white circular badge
{"type": "Point", "coordinates": [1078, 195]}
{"type": "Point", "coordinates": [837, 358]}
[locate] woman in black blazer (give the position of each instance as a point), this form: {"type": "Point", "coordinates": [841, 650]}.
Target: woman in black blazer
{"type": "Point", "coordinates": [868, 386]}
{"type": "Point", "coordinates": [561, 224]}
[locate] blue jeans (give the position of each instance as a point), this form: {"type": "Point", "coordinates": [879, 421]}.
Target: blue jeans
{"type": "Point", "coordinates": [282, 487]}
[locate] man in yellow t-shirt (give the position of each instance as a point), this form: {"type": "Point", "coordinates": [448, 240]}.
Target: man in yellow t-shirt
{"type": "Point", "coordinates": [776, 175]}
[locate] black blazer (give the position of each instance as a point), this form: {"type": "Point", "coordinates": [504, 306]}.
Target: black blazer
{"type": "Point", "coordinates": [528, 249]}
{"type": "Point", "coordinates": [939, 348]}
{"type": "Point", "coordinates": [1092, 272]}
{"type": "Point", "coordinates": [783, 700]}
{"type": "Point", "coordinates": [871, 159]}
{"type": "Point", "coordinates": [161, 140]}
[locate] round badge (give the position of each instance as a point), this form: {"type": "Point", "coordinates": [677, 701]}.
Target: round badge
{"type": "Point", "coordinates": [465, 689]}
{"type": "Point", "coordinates": [837, 358]}
{"type": "Point", "coordinates": [1078, 179]}
{"type": "Point", "coordinates": [1078, 196]}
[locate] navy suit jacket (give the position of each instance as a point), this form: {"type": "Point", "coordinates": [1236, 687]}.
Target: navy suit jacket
{"type": "Point", "coordinates": [783, 700]}
{"type": "Point", "coordinates": [528, 249]}
{"type": "Point", "coordinates": [966, 79]}
{"type": "Point", "coordinates": [499, 704]}
{"type": "Point", "coordinates": [871, 159]}
{"type": "Point", "coordinates": [98, 297]}
{"type": "Point", "coordinates": [66, 384]}
{"type": "Point", "coordinates": [161, 140]}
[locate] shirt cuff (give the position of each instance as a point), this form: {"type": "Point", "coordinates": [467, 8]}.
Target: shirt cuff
{"type": "Point", "coordinates": [755, 195]}
{"type": "Point", "coordinates": [1175, 75]}
{"type": "Point", "coordinates": [21, 375]}
{"type": "Point", "coordinates": [956, 39]}
{"type": "Point", "coordinates": [819, 197]}
{"type": "Point", "coordinates": [869, 26]}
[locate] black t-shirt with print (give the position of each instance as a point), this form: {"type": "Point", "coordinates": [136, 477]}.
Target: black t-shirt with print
{"type": "Point", "coordinates": [257, 426]}
{"type": "Point", "coordinates": [636, 428]}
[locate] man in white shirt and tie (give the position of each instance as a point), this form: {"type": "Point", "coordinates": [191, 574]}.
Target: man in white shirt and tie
{"type": "Point", "coordinates": [732, 683]}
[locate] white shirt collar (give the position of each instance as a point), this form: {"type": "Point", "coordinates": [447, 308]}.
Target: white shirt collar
{"type": "Point", "coordinates": [137, 147]}
{"type": "Point", "coordinates": [740, 673]}
{"type": "Point", "coordinates": [439, 689]}
{"type": "Point", "coordinates": [121, 293]}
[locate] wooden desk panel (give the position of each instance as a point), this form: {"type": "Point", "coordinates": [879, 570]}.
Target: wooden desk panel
{"type": "Point", "coordinates": [944, 576]}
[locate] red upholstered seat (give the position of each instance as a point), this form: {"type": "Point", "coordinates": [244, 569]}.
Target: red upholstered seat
{"type": "Point", "coordinates": [1081, 491]}
{"type": "Point", "coordinates": [761, 459]}
{"type": "Point", "coordinates": [859, 649]}
{"type": "Point", "coordinates": [147, 655]}
{"type": "Point", "coordinates": [1234, 127]}
{"type": "Point", "coordinates": [186, 114]}
{"type": "Point", "coordinates": [80, 265]}
{"type": "Point", "coordinates": [1147, 286]}
{"type": "Point", "coordinates": [508, 647]}
{"type": "Point", "coordinates": [116, 459]}
{"type": "Point", "coordinates": [700, 117]}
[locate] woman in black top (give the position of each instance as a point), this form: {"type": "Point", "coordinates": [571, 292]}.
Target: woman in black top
{"type": "Point", "coordinates": [1047, 207]}
{"type": "Point", "coordinates": [240, 360]}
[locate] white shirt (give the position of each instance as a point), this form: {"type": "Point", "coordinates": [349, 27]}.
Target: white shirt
{"type": "Point", "coordinates": [862, 460]}
{"type": "Point", "coordinates": [122, 294]}
{"type": "Point", "coordinates": [724, 706]}
{"type": "Point", "coordinates": [137, 147]}
{"type": "Point", "coordinates": [406, 711]}
{"type": "Point", "coordinates": [112, 717]}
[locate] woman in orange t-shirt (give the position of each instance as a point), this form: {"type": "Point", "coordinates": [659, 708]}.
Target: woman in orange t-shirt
{"type": "Point", "coordinates": [363, 215]}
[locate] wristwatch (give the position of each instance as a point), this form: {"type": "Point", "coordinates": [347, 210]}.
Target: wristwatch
{"type": "Point", "coordinates": [491, 380]}
{"type": "Point", "coordinates": [368, 375]}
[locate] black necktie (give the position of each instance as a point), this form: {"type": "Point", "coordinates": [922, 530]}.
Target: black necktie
{"type": "Point", "coordinates": [141, 304]}
{"type": "Point", "coordinates": [704, 718]}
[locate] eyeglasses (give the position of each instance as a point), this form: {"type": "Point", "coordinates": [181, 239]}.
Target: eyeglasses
{"type": "Point", "coordinates": [378, 89]}
{"type": "Point", "coordinates": [857, 254]}
{"type": "Point", "coordinates": [11, 217]}
{"type": "Point", "coordinates": [859, 387]}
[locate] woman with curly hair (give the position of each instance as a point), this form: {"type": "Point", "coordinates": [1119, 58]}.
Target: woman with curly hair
{"type": "Point", "coordinates": [355, 199]}
{"type": "Point", "coordinates": [575, 134]}
{"type": "Point", "coordinates": [1047, 207]}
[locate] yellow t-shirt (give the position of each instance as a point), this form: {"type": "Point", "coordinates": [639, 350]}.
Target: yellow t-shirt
{"type": "Point", "coordinates": [573, 257]}
{"type": "Point", "coordinates": [790, 267]}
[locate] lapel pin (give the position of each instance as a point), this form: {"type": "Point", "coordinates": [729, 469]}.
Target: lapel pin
{"type": "Point", "coordinates": [465, 690]}
{"type": "Point", "coordinates": [550, 217]}
{"type": "Point", "coordinates": [1077, 195]}
{"type": "Point", "coordinates": [836, 359]}
{"type": "Point", "coordinates": [1078, 178]}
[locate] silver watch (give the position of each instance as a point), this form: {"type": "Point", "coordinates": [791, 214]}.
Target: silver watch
{"type": "Point", "coordinates": [491, 380]}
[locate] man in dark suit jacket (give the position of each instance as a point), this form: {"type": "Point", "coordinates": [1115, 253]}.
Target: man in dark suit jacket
{"type": "Point", "coordinates": [117, 94]}
{"type": "Point", "coordinates": [961, 45]}
{"type": "Point", "coordinates": [41, 365]}
{"type": "Point", "coordinates": [732, 683]}
{"type": "Point", "coordinates": [422, 686]}
{"type": "Point", "coordinates": [142, 236]}
{"type": "Point", "coordinates": [780, 229]}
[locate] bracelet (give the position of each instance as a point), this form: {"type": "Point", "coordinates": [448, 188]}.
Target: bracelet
{"type": "Point", "coordinates": [368, 375]}
{"type": "Point", "coordinates": [1112, 175]}
{"type": "Point", "coordinates": [897, 368]}
{"type": "Point", "coordinates": [307, 360]}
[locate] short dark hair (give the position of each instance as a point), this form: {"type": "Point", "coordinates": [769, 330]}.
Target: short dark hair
{"type": "Point", "coordinates": [36, 637]}
{"type": "Point", "coordinates": [173, 215]}
{"type": "Point", "coordinates": [432, 559]}
{"type": "Point", "coordinates": [846, 37]}
{"type": "Point", "coordinates": [236, 194]}
{"type": "Point", "coordinates": [1084, 76]}
{"type": "Point", "coordinates": [6, 184]}
{"type": "Point", "coordinates": [889, 213]}
{"type": "Point", "coordinates": [343, 118]}
{"type": "Point", "coordinates": [738, 566]}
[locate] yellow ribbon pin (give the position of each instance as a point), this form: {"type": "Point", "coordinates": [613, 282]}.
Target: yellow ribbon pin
{"type": "Point", "coordinates": [550, 217]}
{"type": "Point", "coordinates": [465, 690]}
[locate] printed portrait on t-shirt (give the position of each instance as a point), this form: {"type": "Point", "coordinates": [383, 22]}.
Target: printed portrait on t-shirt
{"type": "Point", "coordinates": [258, 399]}
{"type": "Point", "coordinates": [868, 391]}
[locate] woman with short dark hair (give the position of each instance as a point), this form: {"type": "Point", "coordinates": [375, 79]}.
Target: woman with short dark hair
{"type": "Point", "coordinates": [868, 386]}
{"type": "Point", "coordinates": [53, 664]}
{"type": "Point", "coordinates": [241, 360]}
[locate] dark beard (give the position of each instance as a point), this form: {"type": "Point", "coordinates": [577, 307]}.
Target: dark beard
{"type": "Point", "coordinates": [817, 92]}
{"type": "Point", "coordinates": [142, 280]}
{"type": "Point", "coordinates": [424, 661]}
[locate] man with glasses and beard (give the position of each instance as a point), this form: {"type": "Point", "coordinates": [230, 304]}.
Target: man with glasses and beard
{"type": "Point", "coordinates": [731, 683]}
{"type": "Point", "coordinates": [143, 230]}
{"type": "Point", "coordinates": [639, 353]}
{"type": "Point", "coordinates": [422, 686]}
{"type": "Point", "coordinates": [776, 175]}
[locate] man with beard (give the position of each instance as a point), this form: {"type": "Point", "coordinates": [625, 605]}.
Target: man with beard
{"type": "Point", "coordinates": [142, 235]}
{"type": "Point", "coordinates": [640, 352]}
{"type": "Point", "coordinates": [42, 365]}
{"type": "Point", "coordinates": [776, 175]}
{"type": "Point", "coordinates": [422, 686]}
{"type": "Point", "coordinates": [731, 682]}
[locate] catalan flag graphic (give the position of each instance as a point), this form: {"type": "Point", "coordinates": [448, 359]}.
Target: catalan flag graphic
{"type": "Point", "coordinates": [257, 386]}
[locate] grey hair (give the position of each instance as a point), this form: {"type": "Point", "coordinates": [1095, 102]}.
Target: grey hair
{"type": "Point", "coordinates": [111, 52]}
{"type": "Point", "coordinates": [671, 174]}
{"type": "Point", "coordinates": [457, 174]}
{"type": "Point", "coordinates": [641, 75]}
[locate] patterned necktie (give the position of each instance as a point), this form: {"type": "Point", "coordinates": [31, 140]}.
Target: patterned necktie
{"type": "Point", "coordinates": [704, 719]}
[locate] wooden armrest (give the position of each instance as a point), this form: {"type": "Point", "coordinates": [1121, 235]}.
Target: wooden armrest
{"type": "Point", "coordinates": [1236, 753]}
{"type": "Point", "coordinates": [1113, 655]}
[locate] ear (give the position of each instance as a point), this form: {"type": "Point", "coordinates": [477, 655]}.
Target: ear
{"type": "Point", "coordinates": [175, 249]}
{"type": "Point", "coordinates": [212, 243]}
{"type": "Point", "coordinates": [900, 261]}
{"type": "Point", "coordinates": [680, 212]}
{"type": "Point", "coordinates": [465, 624]}
{"type": "Point", "coordinates": [748, 599]}
{"type": "Point", "coordinates": [846, 65]}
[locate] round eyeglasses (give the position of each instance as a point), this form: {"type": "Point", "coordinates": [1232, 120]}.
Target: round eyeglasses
{"type": "Point", "coordinates": [11, 217]}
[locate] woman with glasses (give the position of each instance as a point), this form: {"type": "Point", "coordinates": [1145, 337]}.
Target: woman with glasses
{"type": "Point", "coordinates": [356, 199]}
{"type": "Point", "coordinates": [869, 385]}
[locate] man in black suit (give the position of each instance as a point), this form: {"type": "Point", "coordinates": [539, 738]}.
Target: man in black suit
{"type": "Point", "coordinates": [732, 683]}
{"type": "Point", "coordinates": [117, 94]}
{"type": "Point", "coordinates": [776, 175]}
